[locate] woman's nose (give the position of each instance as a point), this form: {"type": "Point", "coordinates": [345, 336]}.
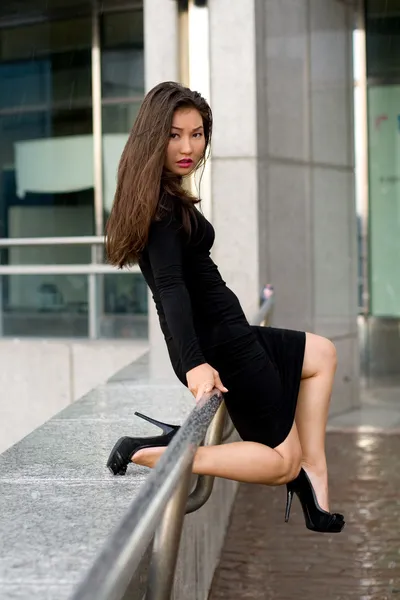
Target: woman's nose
{"type": "Point", "coordinates": [186, 146]}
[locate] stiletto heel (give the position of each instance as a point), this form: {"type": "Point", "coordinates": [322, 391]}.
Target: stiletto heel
{"type": "Point", "coordinates": [165, 427]}
{"type": "Point", "coordinates": [315, 517]}
{"type": "Point", "coordinates": [126, 447]}
{"type": "Point", "coordinates": [289, 500]}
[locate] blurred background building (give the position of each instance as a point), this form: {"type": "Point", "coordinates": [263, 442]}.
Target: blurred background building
{"type": "Point", "coordinates": [303, 185]}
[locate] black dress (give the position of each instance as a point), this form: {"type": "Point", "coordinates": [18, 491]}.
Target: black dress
{"type": "Point", "coordinates": [202, 321]}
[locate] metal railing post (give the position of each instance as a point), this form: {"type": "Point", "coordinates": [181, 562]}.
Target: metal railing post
{"type": "Point", "coordinates": [166, 543]}
{"type": "Point", "coordinates": [205, 483]}
{"type": "Point", "coordinates": [229, 428]}
{"type": "Point", "coordinates": [92, 299]}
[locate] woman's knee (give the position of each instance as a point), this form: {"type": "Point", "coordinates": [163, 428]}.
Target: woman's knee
{"type": "Point", "coordinates": [320, 355]}
{"type": "Point", "coordinates": [291, 466]}
{"type": "Point", "coordinates": [329, 352]}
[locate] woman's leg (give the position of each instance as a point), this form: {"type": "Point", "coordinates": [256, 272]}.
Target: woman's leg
{"type": "Point", "coordinates": [248, 462]}
{"type": "Point", "coordinates": [312, 410]}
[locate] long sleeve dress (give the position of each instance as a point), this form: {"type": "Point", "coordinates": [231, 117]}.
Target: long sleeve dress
{"type": "Point", "coordinates": [203, 322]}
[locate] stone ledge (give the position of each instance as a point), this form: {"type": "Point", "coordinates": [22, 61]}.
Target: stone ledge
{"type": "Point", "coordinates": [59, 503]}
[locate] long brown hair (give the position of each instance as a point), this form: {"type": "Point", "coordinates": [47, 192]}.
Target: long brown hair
{"type": "Point", "coordinates": [144, 187]}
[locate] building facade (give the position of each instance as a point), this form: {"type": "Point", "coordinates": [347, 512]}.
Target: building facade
{"type": "Point", "coordinates": [286, 187]}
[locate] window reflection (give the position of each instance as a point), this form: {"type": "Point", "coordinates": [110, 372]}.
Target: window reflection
{"type": "Point", "coordinates": [47, 156]}
{"type": "Point", "coordinates": [383, 38]}
{"type": "Point", "coordinates": [44, 305]}
{"type": "Point", "coordinates": [123, 55]}
{"type": "Point", "coordinates": [125, 298]}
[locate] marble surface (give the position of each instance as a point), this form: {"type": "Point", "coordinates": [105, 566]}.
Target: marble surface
{"type": "Point", "coordinates": [131, 538]}
{"type": "Point", "coordinates": [61, 509]}
{"type": "Point", "coordinates": [58, 501]}
{"type": "Point", "coordinates": [51, 530]}
{"type": "Point", "coordinates": [135, 371]}
{"type": "Point", "coordinates": [25, 590]}
{"type": "Point", "coordinates": [42, 376]}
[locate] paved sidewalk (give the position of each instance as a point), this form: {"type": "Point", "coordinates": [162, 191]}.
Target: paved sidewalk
{"type": "Point", "coordinates": [266, 559]}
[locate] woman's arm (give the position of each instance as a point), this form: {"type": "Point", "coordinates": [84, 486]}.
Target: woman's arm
{"type": "Point", "coordinates": [165, 255]}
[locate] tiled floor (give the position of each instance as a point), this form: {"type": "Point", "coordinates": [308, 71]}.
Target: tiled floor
{"type": "Point", "coordinates": [266, 559]}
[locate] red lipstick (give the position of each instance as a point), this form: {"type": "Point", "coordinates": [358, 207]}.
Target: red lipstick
{"type": "Point", "coordinates": [185, 162]}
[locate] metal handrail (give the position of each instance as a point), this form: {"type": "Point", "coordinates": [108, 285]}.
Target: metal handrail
{"type": "Point", "coordinates": [75, 240]}
{"type": "Point", "coordinates": [205, 483]}
{"type": "Point", "coordinates": [168, 487]}
{"type": "Point", "coordinates": [78, 269]}
{"type": "Point", "coordinates": [228, 429]}
{"type": "Point", "coordinates": [95, 267]}
{"type": "Point", "coordinates": [265, 311]}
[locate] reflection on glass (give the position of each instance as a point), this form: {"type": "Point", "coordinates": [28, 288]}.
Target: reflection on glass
{"type": "Point", "coordinates": [122, 60]}
{"type": "Point", "coordinates": [46, 161]}
{"type": "Point", "coordinates": [46, 172]}
{"type": "Point", "coordinates": [122, 297]}
{"type": "Point", "coordinates": [381, 341]}
{"type": "Point", "coordinates": [115, 120]}
{"type": "Point", "coordinates": [384, 187]}
{"type": "Point", "coordinates": [44, 305]}
{"type": "Point", "coordinates": [119, 118]}
{"type": "Point", "coordinates": [122, 55]}
{"type": "Point", "coordinates": [383, 38]}
{"type": "Point", "coordinates": [124, 310]}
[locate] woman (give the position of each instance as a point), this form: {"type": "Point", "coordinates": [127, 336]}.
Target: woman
{"type": "Point", "coordinates": [279, 381]}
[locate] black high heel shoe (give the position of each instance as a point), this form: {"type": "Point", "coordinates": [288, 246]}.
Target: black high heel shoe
{"type": "Point", "coordinates": [126, 447]}
{"type": "Point", "coordinates": [316, 518]}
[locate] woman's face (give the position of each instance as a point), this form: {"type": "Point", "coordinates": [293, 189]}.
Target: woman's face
{"type": "Point", "coordinates": [187, 142]}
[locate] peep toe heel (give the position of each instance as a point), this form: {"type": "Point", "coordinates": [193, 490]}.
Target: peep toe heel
{"type": "Point", "coordinates": [126, 447]}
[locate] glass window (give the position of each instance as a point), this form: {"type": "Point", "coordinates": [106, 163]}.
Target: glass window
{"type": "Point", "coordinates": [122, 60]}
{"type": "Point", "coordinates": [383, 69]}
{"type": "Point", "coordinates": [122, 63]}
{"type": "Point", "coordinates": [122, 55]}
{"type": "Point", "coordinates": [384, 190]}
{"type": "Point", "coordinates": [380, 333]}
{"type": "Point", "coordinates": [124, 311]}
{"type": "Point", "coordinates": [383, 38]}
{"type": "Point", "coordinates": [46, 164]}
{"type": "Point", "coordinates": [46, 170]}
{"type": "Point", "coordinates": [44, 305]}
{"type": "Point", "coordinates": [46, 160]}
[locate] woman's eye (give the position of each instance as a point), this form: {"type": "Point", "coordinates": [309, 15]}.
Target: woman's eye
{"type": "Point", "coordinates": [174, 136]}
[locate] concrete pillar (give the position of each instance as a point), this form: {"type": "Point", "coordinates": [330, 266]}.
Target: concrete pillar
{"type": "Point", "coordinates": [282, 163]}
{"type": "Point", "coordinates": [161, 64]}
{"type": "Point", "coordinates": [306, 173]}
{"type": "Point", "coordinates": [234, 168]}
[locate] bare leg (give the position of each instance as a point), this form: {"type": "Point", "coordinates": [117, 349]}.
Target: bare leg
{"type": "Point", "coordinates": [312, 411]}
{"type": "Point", "coordinates": [248, 462]}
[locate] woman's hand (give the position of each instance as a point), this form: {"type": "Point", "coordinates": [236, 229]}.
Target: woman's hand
{"type": "Point", "coordinates": [203, 379]}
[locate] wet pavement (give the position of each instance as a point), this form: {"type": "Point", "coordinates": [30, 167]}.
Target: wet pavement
{"type": "Point", "coordinates": [266, 559]}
